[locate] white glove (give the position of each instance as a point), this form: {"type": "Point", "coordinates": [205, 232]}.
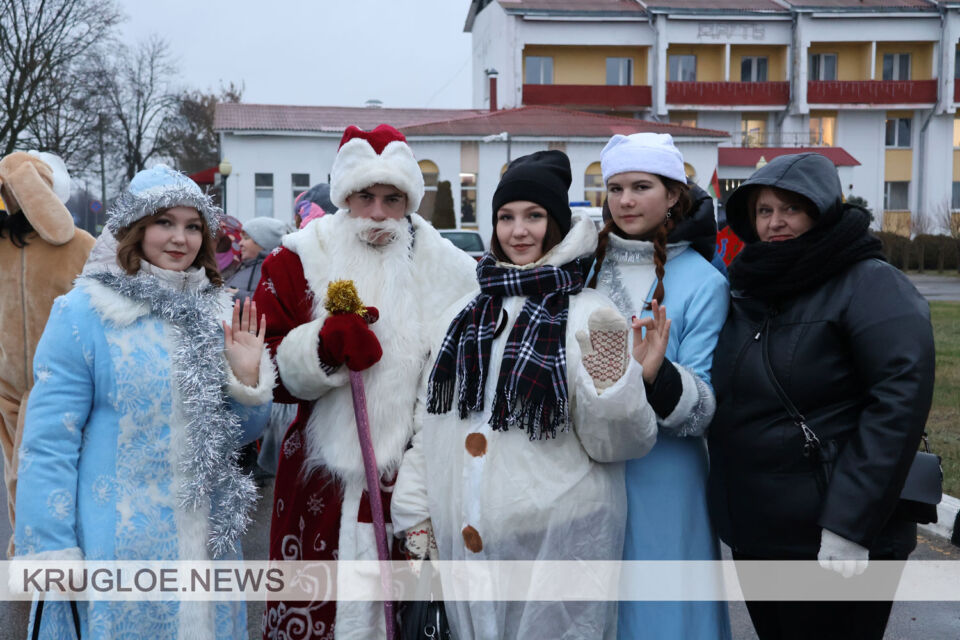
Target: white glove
{"type": "Point", "coordinates": [421, 544]}
{"type": "Point", "coordinates": [841, 555]}
{"type": "Point", "coordinates": [604, 351]}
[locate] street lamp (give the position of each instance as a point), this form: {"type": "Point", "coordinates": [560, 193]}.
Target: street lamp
{"type": "Point", "coordinates": [225, 169]}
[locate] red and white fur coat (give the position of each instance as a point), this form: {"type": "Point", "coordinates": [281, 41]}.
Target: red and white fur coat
{"type": "Point", "coordinates": [410, 282]}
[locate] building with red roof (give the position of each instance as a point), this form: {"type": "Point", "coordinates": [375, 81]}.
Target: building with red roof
{"type": "Point", "coordinates": [869, 83]}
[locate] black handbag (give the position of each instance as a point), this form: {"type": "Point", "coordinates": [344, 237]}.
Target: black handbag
{"type": "Point", "coordinates": [923, 488]}
{"type": "Point", "coordinates": [422, 620]}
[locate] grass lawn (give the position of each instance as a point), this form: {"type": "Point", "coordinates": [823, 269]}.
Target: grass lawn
{"type": "Point", "coordinates": [944, 422]}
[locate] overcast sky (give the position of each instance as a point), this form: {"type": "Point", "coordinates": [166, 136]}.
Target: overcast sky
{"type": "Point", "coordinates": [407, 53]}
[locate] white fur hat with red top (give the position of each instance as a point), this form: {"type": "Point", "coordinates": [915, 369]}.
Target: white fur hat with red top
{"type": "Point", "coordinates": [381, 156]}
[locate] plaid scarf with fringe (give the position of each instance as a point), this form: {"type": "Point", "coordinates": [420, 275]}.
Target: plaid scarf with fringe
{"type": "Point", "coordinates": [532, 388]}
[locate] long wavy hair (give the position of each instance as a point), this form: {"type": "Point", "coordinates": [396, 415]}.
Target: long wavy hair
{"type": "Point", "coordinates": [130, 248]}
{"type": "Point", "coordinates": [17, 225]}
{"type": "Point", "coordinates": [680, 211]}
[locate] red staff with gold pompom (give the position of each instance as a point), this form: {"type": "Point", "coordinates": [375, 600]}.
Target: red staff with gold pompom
{"type": "Point", "coordinates": [342, 298]}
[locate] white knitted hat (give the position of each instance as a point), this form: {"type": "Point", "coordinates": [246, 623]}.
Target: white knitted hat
{"type": "Point", "coordinates": [648, 152]}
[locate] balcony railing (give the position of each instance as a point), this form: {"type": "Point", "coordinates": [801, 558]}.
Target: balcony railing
{"type": "Point", "coordinates": [777, 139]}
{"type": "Point", "coordinates": [588, 95]}
{"type": "Point", "coordinates": [728, 93]}
{"type": "Point", "coordinates": [871, 91]}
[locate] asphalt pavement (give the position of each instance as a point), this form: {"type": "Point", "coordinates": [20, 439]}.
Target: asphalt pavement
{"type": "Point", "coordinates": [935, 286]}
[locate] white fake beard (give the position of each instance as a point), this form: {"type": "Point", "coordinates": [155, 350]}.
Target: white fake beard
{"type": "Point", "coordinates": [379, 234]}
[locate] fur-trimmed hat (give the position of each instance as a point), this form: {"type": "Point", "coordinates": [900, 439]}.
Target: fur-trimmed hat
{"type": "Point", "coordinates": [648, 152]}
{"type": "Point", "coordinates": [157, 188]}
{"type": "Point", "coordinates": [381, 156]}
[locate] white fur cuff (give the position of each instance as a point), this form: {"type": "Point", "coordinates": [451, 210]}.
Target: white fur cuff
{"type": "Point", "coordinates": [694, 410]}
{"type": "Point", "coordinates": [299, 364]}
{"type": "Point", "coordinates": [254, 396]}
{"type": "Point", "coordinates": [15, 579]}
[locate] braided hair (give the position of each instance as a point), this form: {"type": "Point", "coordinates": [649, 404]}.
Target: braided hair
{"type": "Point", "coordinates": [658, 236]}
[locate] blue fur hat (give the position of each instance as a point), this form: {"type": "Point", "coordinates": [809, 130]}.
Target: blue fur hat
{"type": "Point", "coordinates": [160, 187]}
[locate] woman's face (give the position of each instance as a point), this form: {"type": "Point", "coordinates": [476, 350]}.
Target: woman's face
{"type": "Point", "coordinates": [173, 239]}
{"type": "Point", "coordinates": [521, 227]}
{"type": "Point", "coordinates": [639, 202]}
{"type": "Point", "coordinates": [249, 249]}
{"type": "Point", "coordinates": [777, 219]}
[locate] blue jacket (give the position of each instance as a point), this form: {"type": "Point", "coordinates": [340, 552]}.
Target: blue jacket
{"type": "Point", "coordinates": [99, 462]}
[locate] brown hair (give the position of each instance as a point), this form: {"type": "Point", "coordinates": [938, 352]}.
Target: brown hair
{"type": "Point", "coordinates": [551, 238]}
{"type": "Point", "coordinates": [790, 197]}
{"type": "Point", "coordinates": [130, 248]}
{"type": "Point", "coordinates": [658, 236]}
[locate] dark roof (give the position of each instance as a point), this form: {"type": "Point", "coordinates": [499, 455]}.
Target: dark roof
{"type": "Point", "coordinates": [275, 117]}
{"type": "Point", "coordinates": [749, 156]}
{"type": "Point", "coordinates": [552, 122]}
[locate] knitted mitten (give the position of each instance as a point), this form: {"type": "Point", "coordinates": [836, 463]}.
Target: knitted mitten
{"type": "Point", "coordinates": [605, 351]}
{"type": "Point", "coordinates": [421, 544]}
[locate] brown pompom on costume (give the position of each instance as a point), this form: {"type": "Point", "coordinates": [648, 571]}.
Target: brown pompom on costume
{"type": "Point", "coordinates": [31, 277]}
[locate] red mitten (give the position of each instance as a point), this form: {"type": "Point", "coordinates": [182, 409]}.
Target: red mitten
{"type": "Point", "coordinates": [346, 339]}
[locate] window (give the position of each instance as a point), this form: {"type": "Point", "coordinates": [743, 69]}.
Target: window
{"type": "Point", "coordinates": [895, 196]}
{"type": "Point", "coordinates": [753, 133]}
{"type": "Point", "coordinates": [896, 66]}
{"type": "Point", "coordinates": [898, 132]}
{"type": "Point", "coordinates": [823, 130]}
{"type": "Point", "coordinates": [684, 118]}
{"type": "Point", "coordinates": [619, 71]}
{"type": "Point", "coordinates": [683, 68]}
{"type": "Point", "coordinates": [431, 178]}
{"type": "Point", "coordinates": [753, 69]}
{"type": "Point", "coordinates": [956, 63]}
{"type": "Point", "coordinates": [955, 200]}
{"type": "Point", "coordinates": [300, 183]}
{"type": "Point", "coordinates": [593, 189]}
{"type": "Point", "coordinates": [263, 194]}
{"type": "Point", "coordinates": [468, 198]}
{"type": "Point", "coordinates": [823, 66]}
{"type": "Point", "coordinates": [539, 70]}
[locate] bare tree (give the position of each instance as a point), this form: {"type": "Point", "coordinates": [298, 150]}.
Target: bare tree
{"type": "Point", "coordinates": [189, 137]}
{"type": "Point", "coordinates": [39, 41]}
{"type": "Point", "coordinates": [137, 88]}
{"type": "Point", "coordinates": [949, 222]}
{"type": "Point", "coordinates": [69, 126]}
{"type": "Point", "coordinates": [921, 224]}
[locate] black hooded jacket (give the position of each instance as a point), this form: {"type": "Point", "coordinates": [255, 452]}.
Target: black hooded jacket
{"type": "Point", "coordinates": [856, 356]}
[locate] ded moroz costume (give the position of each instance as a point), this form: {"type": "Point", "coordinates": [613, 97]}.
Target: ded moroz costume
{"type": "Point", "coordinates": [321, 508]}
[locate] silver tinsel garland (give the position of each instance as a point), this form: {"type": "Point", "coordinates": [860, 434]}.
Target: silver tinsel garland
{"type": "Point", "coordinates": [130, 208]}
{"type": "Point", "coordinates": [213, 428]}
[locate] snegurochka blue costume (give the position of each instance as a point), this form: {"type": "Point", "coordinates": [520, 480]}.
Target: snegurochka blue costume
{"type": "Point", "coordinates": [141, 397]}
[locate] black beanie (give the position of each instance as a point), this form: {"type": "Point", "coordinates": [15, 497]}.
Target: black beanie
{"type": "Point", "coordinates": [542, 177]}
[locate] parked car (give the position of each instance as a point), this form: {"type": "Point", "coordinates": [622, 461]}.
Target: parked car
{"type": "Point", "coordinates": [594, 213]}
{"type": "Point", "coordinates": [467, 240]}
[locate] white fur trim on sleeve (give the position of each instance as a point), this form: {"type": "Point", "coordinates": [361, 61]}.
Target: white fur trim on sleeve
{"type": "Point", "coordinates": [254, 396]}
{"type": "Point", "coordinates": [694, 410]}
{"type": "Point", "coordinates": [299, 364]}
{"type": "Point", "coordinates": [19, 563]}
